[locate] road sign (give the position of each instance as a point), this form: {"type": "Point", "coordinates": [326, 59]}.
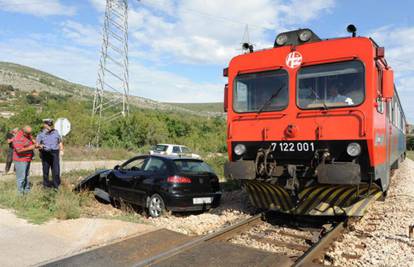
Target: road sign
{"type": "Point", "coordinates": [62, 125]}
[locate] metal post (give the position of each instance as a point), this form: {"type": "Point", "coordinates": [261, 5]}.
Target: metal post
{"type": "Point", "coordinates": [112, 85]}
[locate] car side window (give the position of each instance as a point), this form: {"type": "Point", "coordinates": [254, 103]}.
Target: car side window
{"type": "Point", "coordinates": [176, 149]}
{"type": "Point", "coordinates": [135, 164]}
{"type": "Point", "coordinates": [155, 165]}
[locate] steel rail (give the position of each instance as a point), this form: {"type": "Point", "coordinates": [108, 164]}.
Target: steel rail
{"type": "Point", "coordinates": [320, 247]}
{"type": "Point", "coordinates": [218, 235]}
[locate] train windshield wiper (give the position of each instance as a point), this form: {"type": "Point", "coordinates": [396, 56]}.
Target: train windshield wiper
{"type": "Point", "coordinates": [267, 103]}
{"type": "Point", "coordinates": [320, 99]}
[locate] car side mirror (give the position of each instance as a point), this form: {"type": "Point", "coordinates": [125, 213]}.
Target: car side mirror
{"type": "Point", "coordinates": [117, 167]}
{"type": "Point", "coordinates": [388, 84]}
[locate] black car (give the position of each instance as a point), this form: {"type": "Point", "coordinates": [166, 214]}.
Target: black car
{"type": "Point", "coordinates": [158, 183]}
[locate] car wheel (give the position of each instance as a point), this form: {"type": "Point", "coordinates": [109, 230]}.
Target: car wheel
{"type": "Point", "coordinates": [156, 206]}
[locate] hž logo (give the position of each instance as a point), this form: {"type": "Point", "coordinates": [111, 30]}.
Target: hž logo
{"type": "Point", "coordinates": [294, 59]}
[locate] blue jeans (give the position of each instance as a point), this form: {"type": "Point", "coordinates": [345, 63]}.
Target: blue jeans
{"type": "Point", "coordinates": [22, 175]}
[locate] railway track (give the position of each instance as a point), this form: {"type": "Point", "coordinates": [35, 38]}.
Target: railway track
{"type": "Point", "coordinates": [318, 250]}
{"type": "Point", "coordinates": [319, 239]}
{"type": "Point", "coordinates": [218, 235]}
{"type": "Point", "coordinates": [241, 244]}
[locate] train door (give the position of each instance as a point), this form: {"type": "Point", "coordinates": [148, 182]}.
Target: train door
{"type": "Point", "coordinates": [389, 138]}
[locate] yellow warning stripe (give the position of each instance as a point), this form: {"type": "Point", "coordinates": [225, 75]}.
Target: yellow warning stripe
{"type": "Point", "coordinates": [314, 200]}
{"type": "Point", "coordinates": [252, 195]}
{"type": "Point", "coordinates": [358, 208]}
{"type": "Point", "coordinates": [277, 201]}
{"type": "Point", "coordinates": [278, 194]}
{"type": "Point", "coordinates": [355, 209]}
{"type": "Point", "coordinates": [322, 197]}
{"type": "Point", "coordinates": [310, 198]}
{"type": "Point", "coordinates": [284, 196]}
{"type": "Point", "coordinates": [259, 197]}
{"type": "Point", "coordinates": [267, 201]}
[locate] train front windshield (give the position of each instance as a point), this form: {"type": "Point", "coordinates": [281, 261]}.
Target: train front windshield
{"type": "Point", "coordinates": [331, 85]}
{"type": "Point", "coordinates": [260, 92]}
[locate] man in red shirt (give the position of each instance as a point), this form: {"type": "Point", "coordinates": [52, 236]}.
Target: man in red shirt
{"type": "Point", "coordinates": [23, 145]}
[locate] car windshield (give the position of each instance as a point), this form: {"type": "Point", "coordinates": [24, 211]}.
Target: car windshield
{"type": "Point", "coordinates": [264, 91]}
{"type": "Point", "coordinates": [331, 85]}
{"type": "Point", "coordinates": [192, 166]}
{"type": "Point", "coordinates": [161, 148]}
{"type": "Point", "coordinates": [185, 149]}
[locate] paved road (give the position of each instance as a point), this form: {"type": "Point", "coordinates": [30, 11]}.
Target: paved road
{"type": "Point", "coordinates": [36, 168]}
{"type": "Point", "coordinates": [25, 244]}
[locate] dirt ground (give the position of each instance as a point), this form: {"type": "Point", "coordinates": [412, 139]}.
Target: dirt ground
{"type": "Point", "coordinates": [24, 244]}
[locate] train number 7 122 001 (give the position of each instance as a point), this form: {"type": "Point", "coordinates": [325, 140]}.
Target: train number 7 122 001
{"type": "Point", "coordinates": [293, 147]}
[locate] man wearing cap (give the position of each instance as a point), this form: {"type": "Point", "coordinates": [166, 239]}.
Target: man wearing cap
{"type": "Point", "coordinates": [9, 159]}
{"type": "Point", "coordinates": [23, 147]}
{"type": "Point", "coordinates": [50, 143]}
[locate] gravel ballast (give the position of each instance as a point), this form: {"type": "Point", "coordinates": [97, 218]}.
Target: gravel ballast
{"type": "Point", "coordinates": [381, 237]}
{"type": "Point", "coordinates": [232, 210]}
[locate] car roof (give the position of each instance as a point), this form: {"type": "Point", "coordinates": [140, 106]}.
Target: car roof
{"type": "Point", "coordinates": [170, 145]}
{"type": "Point", "coordinates": [175, 157]}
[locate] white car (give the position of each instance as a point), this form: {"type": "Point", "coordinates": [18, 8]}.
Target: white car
{"type": "Point", "coordinates": [174, 150]}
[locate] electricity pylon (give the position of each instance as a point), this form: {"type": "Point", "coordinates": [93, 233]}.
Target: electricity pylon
{"type": "Point", "coordinates": [112, 86]}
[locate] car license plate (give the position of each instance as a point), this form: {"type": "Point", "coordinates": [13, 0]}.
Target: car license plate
{"type": "Point", "coordinates": [202, 200]}
{"type": "Point", "coordinates": [293, 146]}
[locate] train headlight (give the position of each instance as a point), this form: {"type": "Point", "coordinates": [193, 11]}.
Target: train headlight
{"type": "Point", "coordinates": [305, 35]}
{"type": "Point", "coordinates": [281, 39]}
{"type": "Point", "coordinates": [239, 149]}
{"type": "Point", "coordinates": [353, 149]}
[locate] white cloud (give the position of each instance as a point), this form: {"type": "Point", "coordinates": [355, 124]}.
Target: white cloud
{"type": "Point", "coordinates": [210, 32]}
{"type": "Point", "coordinates": [399, 53]}
{"type": "Point", "coordinates": [39, 8]}
{"type": "Point", "coordinates": [166, 33]}
{"type": "Point", "coordinates": [300, 11]}
{"type": "Point", "coordinates": [82, 34]}
{"type": "Point", "coordinates": [80, 66]}
{"type": "Point", "coordinates": [98, 4]}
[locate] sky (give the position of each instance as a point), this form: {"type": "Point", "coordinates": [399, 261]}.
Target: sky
{"type": "Point", "coordinates": [179, 48]}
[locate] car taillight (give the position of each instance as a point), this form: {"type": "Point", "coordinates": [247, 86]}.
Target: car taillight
{"type": "Point", "coordinates": [179, 180]}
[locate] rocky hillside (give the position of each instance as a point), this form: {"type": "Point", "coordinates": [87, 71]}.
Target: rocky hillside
{"type": "Point", "coordinates": [28, 79]}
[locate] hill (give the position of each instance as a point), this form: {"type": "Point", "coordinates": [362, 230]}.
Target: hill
{"type": "Point", "coordinates": [28, 79]}
{"type": "Point", "coordinates": [201, 107]}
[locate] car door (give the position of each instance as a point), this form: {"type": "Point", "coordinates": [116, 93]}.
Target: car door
{"type": "Point", "coordinates": [123, 182]}
{"type": "Point", "coordinates": [155, 171]}
{"type": "Point", "coordinates": [176, 150]}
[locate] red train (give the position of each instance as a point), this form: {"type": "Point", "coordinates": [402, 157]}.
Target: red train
{"type": "Point", "coordinates": [314, 126]}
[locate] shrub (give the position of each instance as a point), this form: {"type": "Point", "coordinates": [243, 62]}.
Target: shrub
{"type": "Point", "coordinates": [410, 142]}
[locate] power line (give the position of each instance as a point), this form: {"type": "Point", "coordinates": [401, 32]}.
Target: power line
{"type": "Point", "coordinates": [202, 13]}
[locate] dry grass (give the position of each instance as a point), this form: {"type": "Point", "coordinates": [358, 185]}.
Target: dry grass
{"type": "Point", "coordinates": [41, 205]}
{"type": "Point", "coordinates": [410, 154]}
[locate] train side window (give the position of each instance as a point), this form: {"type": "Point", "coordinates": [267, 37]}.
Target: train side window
{"type": "Point", "coordinates": [393, 111]}
{"type": "Point", "coordinates": [380, 105]}
{"type": "Point", "coordinates": [389, 111]}
{"type": "Point", "coordinates": [380, 102]}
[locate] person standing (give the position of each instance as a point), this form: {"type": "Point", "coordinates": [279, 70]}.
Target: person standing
{"type": "Point", "coordinates": [9, 159]}
{"type": "Point", "coordinates": [51, 145]}
{"type": "Point", "coordinates": [23, 152]}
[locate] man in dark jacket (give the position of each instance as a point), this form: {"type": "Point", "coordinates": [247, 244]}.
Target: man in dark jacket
{"type": "Point", "coordinates": [50, 143]}
{"type": "Point", "coordinates": [9, 159]}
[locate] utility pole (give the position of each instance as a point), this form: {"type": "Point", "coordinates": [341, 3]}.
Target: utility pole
{"type": "Point", "coordinates": [112, 86]}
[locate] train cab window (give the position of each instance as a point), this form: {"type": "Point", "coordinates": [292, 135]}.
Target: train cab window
{"type": "Point", "coordinates": [261, 92]}
{"type": "Point", "coordinates": [331, 85]}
